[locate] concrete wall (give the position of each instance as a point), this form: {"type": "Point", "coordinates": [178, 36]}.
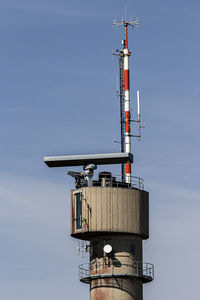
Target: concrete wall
{"type": "Point", "coordinates": [111, 210]}
{"type": "Point", "coordinates": [116, 288]}
{"type": "Point", "coordinates": [126, 250]}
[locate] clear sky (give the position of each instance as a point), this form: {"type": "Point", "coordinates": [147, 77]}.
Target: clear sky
{"type": "Point", "coordinates": [58, 96]}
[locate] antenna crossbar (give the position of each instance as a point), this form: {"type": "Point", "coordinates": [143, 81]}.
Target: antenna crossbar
{"type": "Point", "coordinates": [126, 23]}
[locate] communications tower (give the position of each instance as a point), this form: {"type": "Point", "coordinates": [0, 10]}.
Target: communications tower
{"type": "Point", "coordinates": [110, 214]}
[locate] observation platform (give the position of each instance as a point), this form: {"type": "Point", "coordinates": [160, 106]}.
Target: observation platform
{"type": "Point", "coordinates": [140, 270]}
{"type": "Point", "coordinates": [107, 179]}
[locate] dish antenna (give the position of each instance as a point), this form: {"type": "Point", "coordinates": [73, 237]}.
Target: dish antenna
{"type": "Point", "coordinates": [107, 249]}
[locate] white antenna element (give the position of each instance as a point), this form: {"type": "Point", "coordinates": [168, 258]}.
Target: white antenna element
{"type": "Point", "coordinates": [138, 104]}
{"type": "Point", "coordinates": [78, 248]}
{"type": "Point", "coordinates": [83, 248]}
{"type": "Point", "coordinates": [138, 109]}
{"type": "Point", "coordinates": [138, 121]}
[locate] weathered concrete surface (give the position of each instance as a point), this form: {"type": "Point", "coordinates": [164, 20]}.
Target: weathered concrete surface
{"type": "Point", "coordinates": [111, 210]}
{"type": "Point", "coordinates": [116, 289]}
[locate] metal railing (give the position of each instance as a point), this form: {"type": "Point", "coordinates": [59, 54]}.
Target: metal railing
{"type": "Point", "coordinates": [116, 181]}
{"type": "Point", "coordinates": [142, 270]}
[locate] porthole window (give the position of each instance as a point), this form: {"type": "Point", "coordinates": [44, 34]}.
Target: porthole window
{"type": "Point", "coordinates": [78, 211]}
{"type": "Point", "coordinates": [132, 249]}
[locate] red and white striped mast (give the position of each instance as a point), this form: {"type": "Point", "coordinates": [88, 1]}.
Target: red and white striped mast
{"type": "Point", "coordinates": [126, 53]}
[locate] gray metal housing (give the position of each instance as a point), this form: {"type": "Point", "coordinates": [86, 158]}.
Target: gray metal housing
{"type": "Point", "coordinates": [86, 159]}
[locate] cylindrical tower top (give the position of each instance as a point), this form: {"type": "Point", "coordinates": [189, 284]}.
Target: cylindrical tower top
{"type": "Point", "coordinates": [109, 210]}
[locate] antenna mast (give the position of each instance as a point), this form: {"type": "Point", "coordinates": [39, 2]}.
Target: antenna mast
{"type": "Point", "coordinates": [121, 70]}
{"type": "Point", "coordinates": [125, 96]}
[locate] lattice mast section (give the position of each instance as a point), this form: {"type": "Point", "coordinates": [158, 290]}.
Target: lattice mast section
{"type": "Point", "coordinates": [125, 97]}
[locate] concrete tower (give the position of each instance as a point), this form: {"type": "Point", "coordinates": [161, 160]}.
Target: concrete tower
{"type": "Point", "coordinates": [111, 214]}
{"type": "Point", "coordinates": [114, 217]}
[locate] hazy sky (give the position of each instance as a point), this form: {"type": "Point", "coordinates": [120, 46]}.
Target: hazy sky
{"type": "Point", "coordinates": [58, 96]}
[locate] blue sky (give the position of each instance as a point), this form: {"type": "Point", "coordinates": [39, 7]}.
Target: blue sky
{"type": "Point", "coordinates": [58, 96]}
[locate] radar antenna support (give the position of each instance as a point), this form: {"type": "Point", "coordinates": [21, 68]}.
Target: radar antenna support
{"type": "Point", "coordinates": [83, 179]}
